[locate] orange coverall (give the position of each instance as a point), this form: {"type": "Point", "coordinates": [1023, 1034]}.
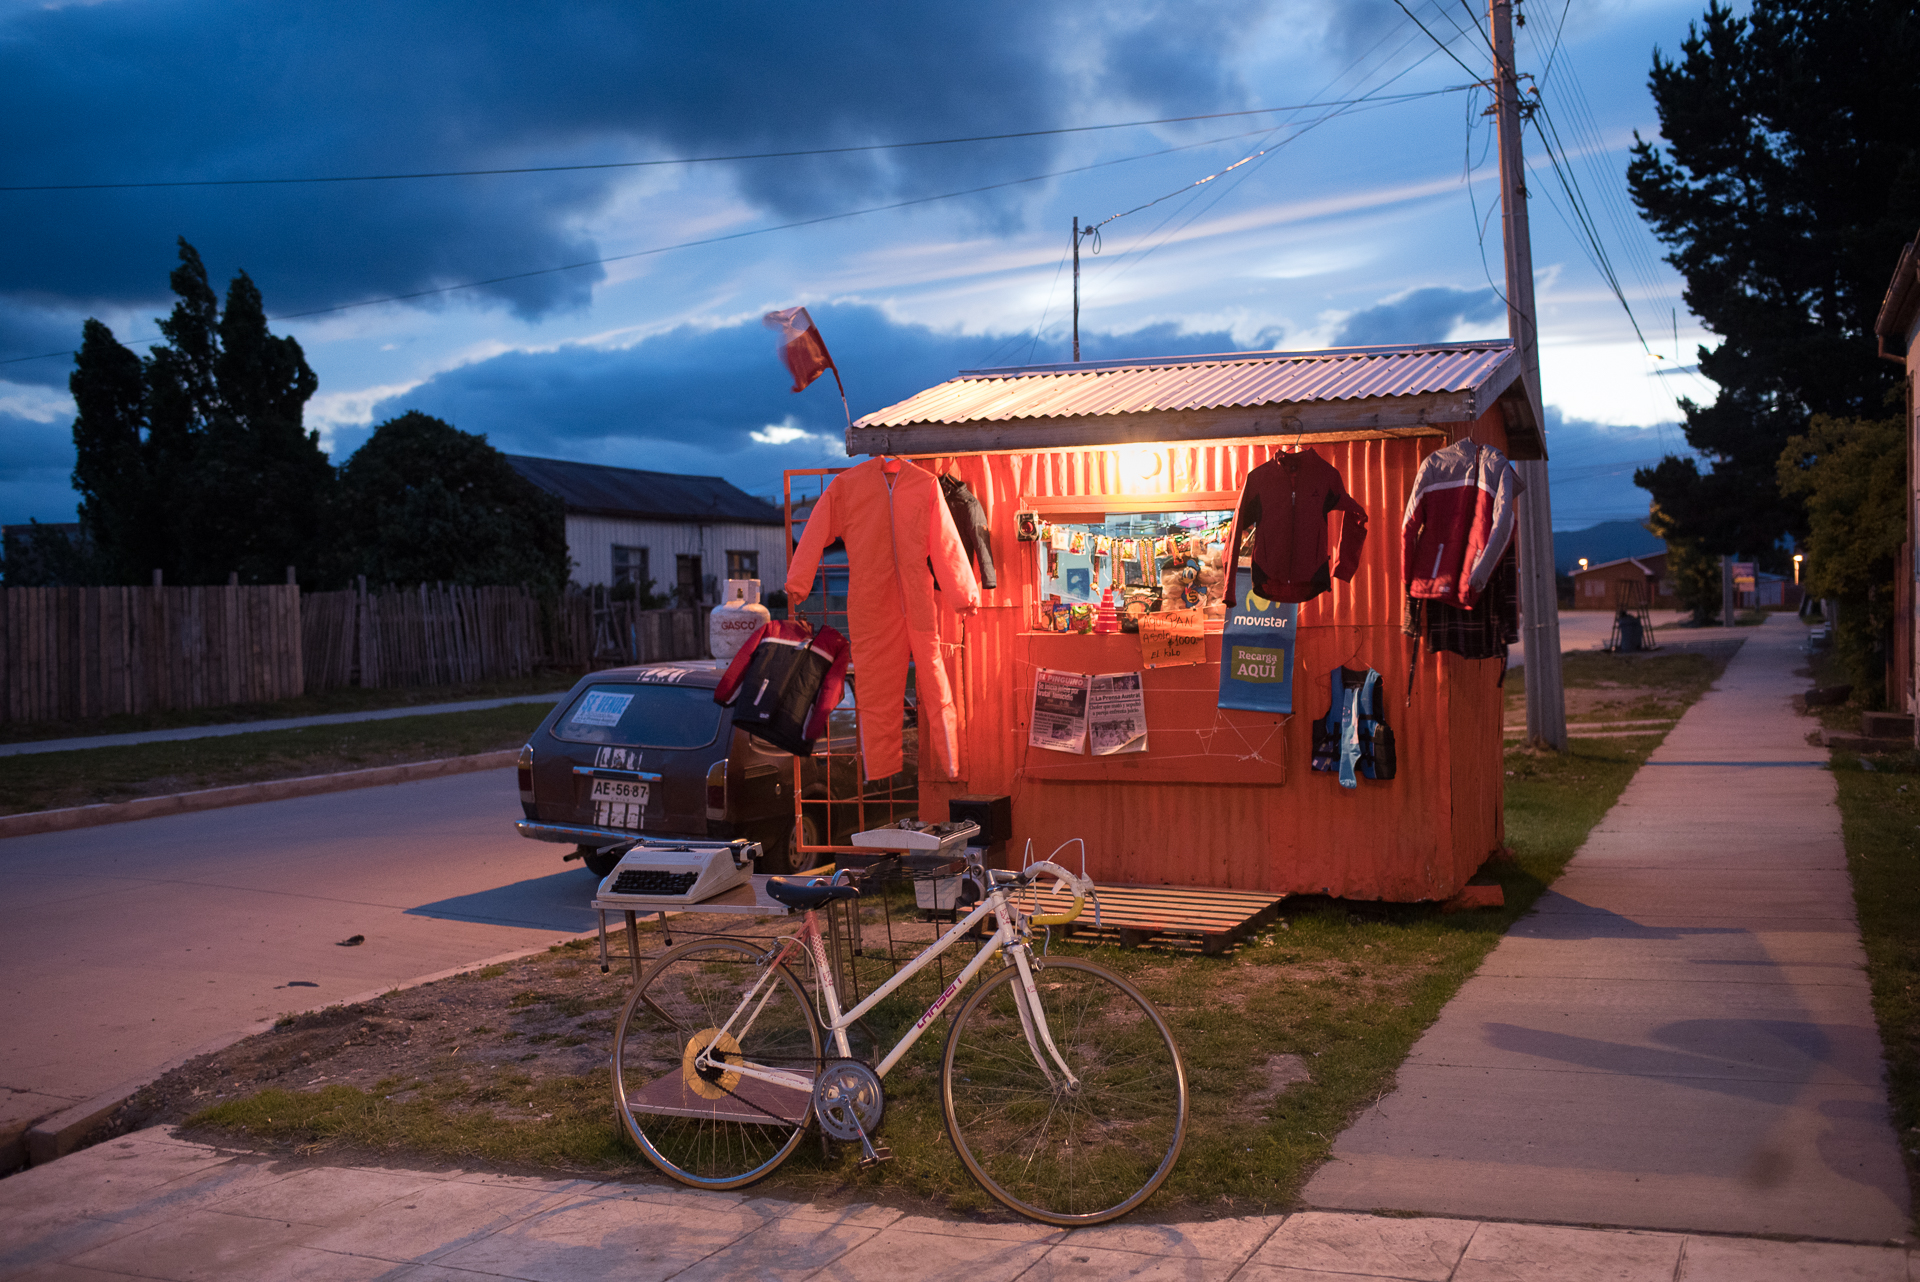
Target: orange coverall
{"type": "Point", "coordinates": [893, 525]}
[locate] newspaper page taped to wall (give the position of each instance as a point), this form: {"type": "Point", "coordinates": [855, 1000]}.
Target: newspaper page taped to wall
{"type": "Point", "coordinates": [1117, 713]}
{"type": "Point", "coordinates": [1059, 721]}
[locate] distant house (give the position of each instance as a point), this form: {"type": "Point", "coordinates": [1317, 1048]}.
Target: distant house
{"type": "Point", "coordinates": [1613, 584]}
{"type": "Point", "coordinates": [685, 534]}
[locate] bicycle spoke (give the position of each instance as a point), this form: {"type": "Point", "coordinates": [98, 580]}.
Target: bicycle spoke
{"type": "Point", "coordinates": [1063, 1154]}
{"type": "Point", "coordinates": [711, 1127]}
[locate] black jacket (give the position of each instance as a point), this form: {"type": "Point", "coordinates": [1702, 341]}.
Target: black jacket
{"type": "Point", "coordinates": [970, 519]}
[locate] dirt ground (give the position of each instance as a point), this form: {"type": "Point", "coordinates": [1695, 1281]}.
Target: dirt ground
{"type": "Point", "coordinates": [549, 1015]}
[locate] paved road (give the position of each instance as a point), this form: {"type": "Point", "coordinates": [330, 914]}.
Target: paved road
{"type": "Point", "coordinates": [249, 727]}
{"type": "Point", "coordinates": [129, 945]}
{"type": "Point", "coordinates": [1679, 1035]}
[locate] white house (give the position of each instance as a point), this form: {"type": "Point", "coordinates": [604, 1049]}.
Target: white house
{"type": "Point", "coordinates": [687, 534]}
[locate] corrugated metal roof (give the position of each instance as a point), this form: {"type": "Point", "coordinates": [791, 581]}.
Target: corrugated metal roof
{"type": "Point", "coordinates": [1225, 380]}
{"type": "Point", "coordinates": [625, 491]}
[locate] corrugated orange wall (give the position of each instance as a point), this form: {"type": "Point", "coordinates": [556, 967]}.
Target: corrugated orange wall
{"type": "Point", "coordinates": [1419, 836]}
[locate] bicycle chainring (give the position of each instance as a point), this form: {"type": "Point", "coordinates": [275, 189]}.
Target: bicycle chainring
{"type": "Point", "coordinates": [848, 1100]}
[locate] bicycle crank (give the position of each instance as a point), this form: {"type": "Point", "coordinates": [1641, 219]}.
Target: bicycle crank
{"type": "Point", "coordinates": [849, 1101]}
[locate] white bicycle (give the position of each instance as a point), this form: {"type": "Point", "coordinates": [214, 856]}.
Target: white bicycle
{"type": "Point", "coordinates": [1061, 1086]}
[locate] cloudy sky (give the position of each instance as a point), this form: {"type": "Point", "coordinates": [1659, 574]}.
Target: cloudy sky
{"type": "Point", "coordinates": [610, 311]}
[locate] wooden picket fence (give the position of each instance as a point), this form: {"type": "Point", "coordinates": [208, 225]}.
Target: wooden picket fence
{"type": "Point", "coordinates": [588, 629]}
{"type": "Point", "coordinates": [70, 654]}
{"type": "Point", "coordinates": [442, 635]}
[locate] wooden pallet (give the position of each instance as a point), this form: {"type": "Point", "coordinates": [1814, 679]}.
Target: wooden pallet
{"type": "Point", "coordinates": [1180, 917]}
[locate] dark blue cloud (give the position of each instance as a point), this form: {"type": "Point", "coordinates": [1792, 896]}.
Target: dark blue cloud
{"type": "Point", "coordinates": [693, 399]}
{"type": "Point", "coordinates": [1419, 316]}
{"type": "Point", "coordinates": [190, 89]}
{"type": "Point", "coordinates": [36, 470]}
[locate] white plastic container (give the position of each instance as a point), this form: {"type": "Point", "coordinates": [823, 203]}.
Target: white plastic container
{"type": "Point", "coordinates": [730, 624]}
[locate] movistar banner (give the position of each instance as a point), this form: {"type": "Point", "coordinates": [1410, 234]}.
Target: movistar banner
{"type": "Point", "coordinates": [1256, 653]}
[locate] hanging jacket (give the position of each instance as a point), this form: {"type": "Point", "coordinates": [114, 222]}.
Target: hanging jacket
{"type": "Point", "coordinates": [897, 527]}
{"type": "Point", "coordinates": [791, 680]}
{"type": "Point", "coordinates": [1285, 502]}
{"type": "Point", "coordinates": [970, 522]}
{"type": "Point", "coordinates": [1459, 519]}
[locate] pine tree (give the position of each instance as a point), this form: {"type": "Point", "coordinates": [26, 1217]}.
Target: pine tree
{"type": "Point", "coordinates": [1788, 181]}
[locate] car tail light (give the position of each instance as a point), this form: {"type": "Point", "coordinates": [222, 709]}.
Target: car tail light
{"type": "Point", "coordinates": [717, 790]}
{"type": "Point", "coordinates": [525, 769]}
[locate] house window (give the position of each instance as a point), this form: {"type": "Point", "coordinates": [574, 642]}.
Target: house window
{"type": "Point", "coordinates": [686, 580]}
{"type": "Point", "coordinates": [743, 565]}
{"type": "Point", "coordinates": [1596, 587]}
{"type": "Point", "coordinates": [630, 566]}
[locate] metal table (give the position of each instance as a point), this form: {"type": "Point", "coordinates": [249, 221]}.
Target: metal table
{"type": "Point", "coordinates": [749, 900]}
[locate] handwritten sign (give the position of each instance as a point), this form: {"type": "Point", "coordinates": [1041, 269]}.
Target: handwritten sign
{"type": "Point", "coordinates": [1172, 639]}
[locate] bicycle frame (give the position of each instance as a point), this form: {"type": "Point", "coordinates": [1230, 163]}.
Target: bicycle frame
{"type": "Point", "coordinates": [1007, 937]}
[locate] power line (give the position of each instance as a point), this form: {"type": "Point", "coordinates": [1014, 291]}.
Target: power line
{"type": "Point", "coordinates": [681, 160]}
{"type": "Point", "coordinates": [1437, 40]}
{"type": "Point", "coordinates": [708, 240]}
{"type": "Point", "coordinates": [1369, 98]}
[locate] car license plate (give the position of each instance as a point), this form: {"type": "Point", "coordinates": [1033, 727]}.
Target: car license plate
{"type": "Point", "coordinates": [618, 803]}
{"type": "Point", "coordinates": [620, 790]}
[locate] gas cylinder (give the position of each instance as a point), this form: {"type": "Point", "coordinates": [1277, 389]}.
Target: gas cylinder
{"type": "Point", "coordinates": [730, 624]}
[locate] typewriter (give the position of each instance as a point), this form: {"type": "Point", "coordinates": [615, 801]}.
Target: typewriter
{"type": "Point", "coordinates": [657, 875]}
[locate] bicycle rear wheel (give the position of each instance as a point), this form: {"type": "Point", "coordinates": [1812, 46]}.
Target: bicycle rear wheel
{"type": "Point", "coordinates": [713, 1128]}
{"type": "Point", "coordinates": [1063, 1154]}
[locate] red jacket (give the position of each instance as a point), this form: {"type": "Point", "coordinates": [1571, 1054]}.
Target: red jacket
{"type": "Point", "coordinates": [1286, 501]}
{"type": "Point", "coordinates": [1458, 522]}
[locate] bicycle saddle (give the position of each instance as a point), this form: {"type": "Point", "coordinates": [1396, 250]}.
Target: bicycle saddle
{"type": "Point", "coordinates": [807, 892]}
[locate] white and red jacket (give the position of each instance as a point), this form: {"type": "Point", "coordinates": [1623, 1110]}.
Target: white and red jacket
{"type": "Point", "coordinates": [1458, 522]}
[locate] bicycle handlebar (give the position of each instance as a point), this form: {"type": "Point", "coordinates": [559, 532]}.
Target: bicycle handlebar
{"type": "Point", "coordinates": [1079, 885]}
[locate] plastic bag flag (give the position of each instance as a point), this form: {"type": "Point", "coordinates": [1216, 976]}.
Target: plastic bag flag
{"type": "Point", "coordinates": [801, 346]}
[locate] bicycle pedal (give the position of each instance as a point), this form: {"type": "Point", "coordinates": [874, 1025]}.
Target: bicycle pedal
{"type": "Point", "coordinates": [875, 1154]}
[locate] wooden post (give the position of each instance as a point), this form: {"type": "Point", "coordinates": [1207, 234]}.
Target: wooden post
{"type": "Point", "coordinates": [1539, 597]}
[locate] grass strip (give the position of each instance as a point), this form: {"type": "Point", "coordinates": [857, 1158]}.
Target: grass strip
{"type": "Point", "coordinates": [322, 703]}
{"type": "Point", "coordinates": [1880, 822]}
{"type": "Point", "coordinates": [1285, 1041]}
{"type": "Point", "coordinates": [86, 776]}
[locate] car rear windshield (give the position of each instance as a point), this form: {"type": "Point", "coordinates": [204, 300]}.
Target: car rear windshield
{"type": "Point", "coordinates": [641, 716]}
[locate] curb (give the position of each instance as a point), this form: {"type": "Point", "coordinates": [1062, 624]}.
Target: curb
{"type": "Point", "coordinates": [67, 1131]}
{"type": "Point", "coordinates": [242, 794]}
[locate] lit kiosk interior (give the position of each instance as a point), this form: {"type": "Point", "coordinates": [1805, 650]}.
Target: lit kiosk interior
{"type": "Point", "coordinates": [1145, 458]}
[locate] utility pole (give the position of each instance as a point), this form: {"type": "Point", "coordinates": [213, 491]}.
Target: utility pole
{"type": "Point", "coordinates": [1539, 597]}
{"type": "Point", "coordinates": [1076, 289]}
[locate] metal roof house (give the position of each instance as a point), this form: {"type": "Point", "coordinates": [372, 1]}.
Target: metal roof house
{"type": "Point", "coordinates": [685, 534]}
{"type": "Point", "coordinates": [1221, 797]}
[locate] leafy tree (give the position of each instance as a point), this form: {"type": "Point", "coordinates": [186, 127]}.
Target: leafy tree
{"type": "Point", "coordinates": [47, 556]}
{"type": "Point", "coordinates": [195, 460]}
{"type": "Point", "coordinates": [1692, 571]}
{"type": "Point", "coordinates": [1789, 180]}
{"type": "Point", "coordinates": [423, 501]}
{"type": "Point", "coordinates": [1852, 475]}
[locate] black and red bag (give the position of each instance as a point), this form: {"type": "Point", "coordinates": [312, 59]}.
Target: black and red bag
{"type": "Point", "coordinates": [784, 682]}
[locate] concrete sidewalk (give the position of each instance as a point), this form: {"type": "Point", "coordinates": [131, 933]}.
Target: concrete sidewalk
{"type": "Point", "coordinates": [152, 1205]}
{"type": "Point", "coordinates": [1679, 1035]}
{"type": "Point", "coordinates": [250, 727]}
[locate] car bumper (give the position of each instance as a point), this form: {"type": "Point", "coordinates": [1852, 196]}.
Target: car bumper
{"type": "Point", "coordinates": [587, 834]}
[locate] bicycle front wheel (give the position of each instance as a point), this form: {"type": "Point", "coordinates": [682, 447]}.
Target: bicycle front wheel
{"type": "Point", "coordinates": [714, 1127]}
{"type": "Point", "coordinates": [1067, 1153]}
